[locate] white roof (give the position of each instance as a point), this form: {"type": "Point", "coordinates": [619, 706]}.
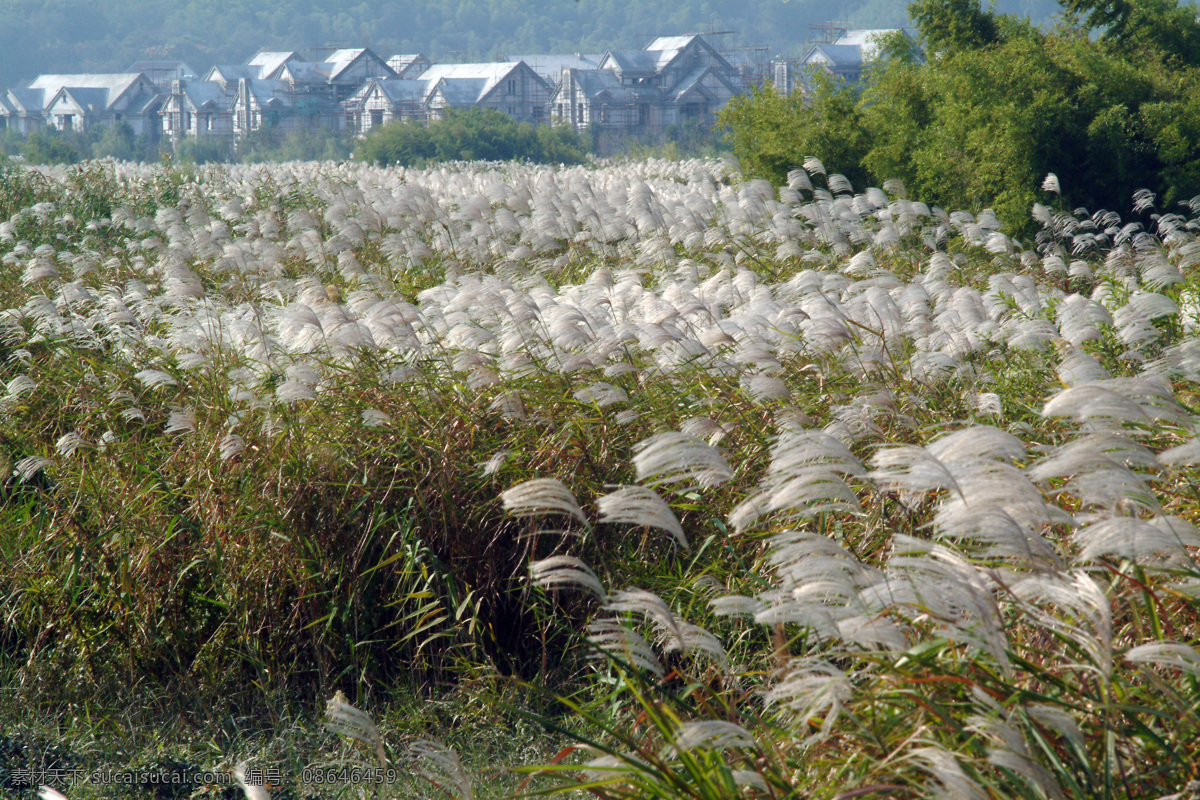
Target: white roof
{"type": "Point", "coordinates": [488, 74]}
{"type": "Point", "coordinates": [550, 67]}
{"type": "Point", "coordinates": [866, 39]}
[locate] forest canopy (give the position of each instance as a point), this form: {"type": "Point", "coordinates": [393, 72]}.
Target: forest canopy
{"type": "Point", "coordinates": [1108, 100]}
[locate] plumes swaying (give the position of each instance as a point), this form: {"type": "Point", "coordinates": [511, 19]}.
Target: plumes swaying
{"type": "Point", "coordinates": [673, 457]}
{"type": "Point", "coordinates": [567, 572]}
{"type": "Point", "coordinates": [441, 766]}
{"type": "Point", "coordinates": [637, 505]}
{"type": "Point", "coordinates": [353, 723]}
{"type": "Point", "coordinates": [541, 496]}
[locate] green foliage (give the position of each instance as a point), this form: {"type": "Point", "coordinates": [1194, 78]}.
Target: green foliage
{"type": "Point", "coordinates": [203, 149]}
{"type": "Point", "coordinates": [951, 25]}
{"type": "Point", "coordinates": [117, 141]}
{"type": "Point", "coordinates": [47, 146]}
{"type": "Point", "coordinates": [1156, 29]}
{"type": "Point", "coordinates": [997, 106]}
{"type": "Point", "coordinates": [273, 144]}
{"type": "Point", "coordinates": [468, 135]}
{"type": "Point", "coordinates": [773, 133]}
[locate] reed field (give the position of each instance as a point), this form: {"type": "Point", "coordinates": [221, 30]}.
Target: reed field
{"type": "Point", "coordinates": [636, 479]}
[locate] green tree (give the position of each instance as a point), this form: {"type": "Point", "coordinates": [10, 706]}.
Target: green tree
{"type": "Point", "coordinates": [772, 133]}
{"type": "Point", "coordinates": [48, 146]}
{"type": "Point", "coordinates": [202, 150]}
{"type": "Point", "coordinates": [470, 134]}
{"type": "Point", "coordinates": [117, 142]}
{"type": "Point", "coordinates": [999, 105]}
{"type": "Point", "coordinates": [948, 26]}
{"type": "Point", "coordinates": [404, 144]}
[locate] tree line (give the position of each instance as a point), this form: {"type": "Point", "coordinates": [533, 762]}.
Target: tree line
{"type": "Point", "coordinates": [989, 104]}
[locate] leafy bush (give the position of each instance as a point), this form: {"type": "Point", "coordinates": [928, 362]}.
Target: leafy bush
{"type": "Point", "coordinates": [470, 134]}
{"type": "Point", "coordinates": [47, 146]}
{"type": "Point", "coordinates": [1106, 101]}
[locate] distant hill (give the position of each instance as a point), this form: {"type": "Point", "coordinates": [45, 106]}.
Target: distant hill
{"type": "Point", "coordinates": [39, 36]}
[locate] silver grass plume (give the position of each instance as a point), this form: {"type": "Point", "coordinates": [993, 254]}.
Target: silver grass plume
{"type": "Point", "coordinates": [28, 467]}
{"type": "Point", "coordinates": [251, 790]}
{"type": "Point", "coordinates": [1007, 749]}
{"type": "Point", "coordinates": [713, 734]}
{"type": "Point", "coordinates": [346, 720]}
{"type": "Point", "coordinates": [952, 782]}
{"type": "Point", "coordinates": [650, 606]}
{"type": "Point", "coordinates": [1058, 720]}
{"type": "Point", "coordinates": [68, 443]}
{"type": "Point", "coordinates": [694, 640]}
{"type": "Point", "coordinates": [22, 384]}
{"type": "Point", "coordinates": [674, 457]}
{"type": "Point", "coordinates": [601, 394]}
{"type": "Point", "coordinates": [566, 571]}
{"type": "Point", "coordinates": [1072, 605]}
{"type": "Point", "coordinates": [181, 421]}
{"type": "Point", "coordinates": [1137, 539]}
{"type": "Point", "coordinates": [154, 378]}
{"type": "Point", "coordinates": [541, 496]}
{"type": "Point", "coordinates": [1172, 655]}
{"type": "Point", "coordinates": [934, 581]}
{"type": "Point", "coordinates": [816, 690]}
{"type": "Point", "coordinates": [748, 778]}
{"type": "Point", "coordinates": [1182, 455]}
{"type": "Point", "coordinates": [612, 637]}
{"type": "Point", "coordinates": [637, 505]}
{"type": "Point", "coordinates": [440, 766]}
{"type": "Point", "coordinates": [493, 464]}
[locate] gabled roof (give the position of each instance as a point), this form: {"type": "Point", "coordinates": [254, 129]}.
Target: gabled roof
{"type": "Point", "coordinates": [634, 62]}
{"type": "Point", "coordinates": [867, 39]}
{"type": "Point", "coordinates": [27, 100]}
{"type": "Point", "coordinates": [842, 56]}
{"type": "Point", "coordinates": [694, 80]}
{"type": "Point", "coordinates": [601, 85]}
{"type": "Point", "coordinates": [200, 94]}
{"type": "Point", "coordinates": [109, 88]}
{"type": "Point", "coordinates": [305, 72]}
{"type": "Point", "coordinates": [266, 90]}
{"type": "Point", "coordinates": [401, 63]}
{"type": "Point", "coordinates": [232, 72]}
{"type": "Point", "coordinates": [396, 90]}
{"type": "Point", "coordinates": [550, 67]}
{"type": "Point", "coordinates": [341, 60]}
{"type": "Point", "coordinates": [162, 66]}
{"type": "Point", "coordinates": [467, 78]}
{"type": "Point", "coordinates": [88, 101]}
{"type": "Point", "coordinates": [459, 91]}
{"type": "Point", "coordinates": [270, 62]}
{"type": "Point", "coordinates": [401, 89]}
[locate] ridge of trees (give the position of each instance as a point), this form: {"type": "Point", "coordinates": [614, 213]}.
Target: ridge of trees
{"type": "Point", "coordinates": [1108, 100]}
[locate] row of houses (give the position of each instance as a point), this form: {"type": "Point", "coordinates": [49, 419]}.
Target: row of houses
{"type": "Point", "coordinates": [673, 80]}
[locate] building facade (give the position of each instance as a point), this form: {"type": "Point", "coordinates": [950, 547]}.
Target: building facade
{"type": "Point", "coordinates": [672, 81]}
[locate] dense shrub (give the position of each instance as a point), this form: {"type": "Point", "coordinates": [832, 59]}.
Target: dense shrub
{"type": "Point", "coordinates": [1106, 101]}
{"type": "Point", "coordinates": [471, 134]}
